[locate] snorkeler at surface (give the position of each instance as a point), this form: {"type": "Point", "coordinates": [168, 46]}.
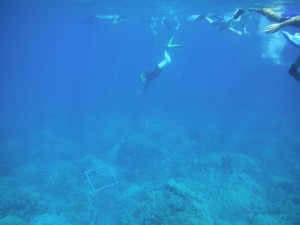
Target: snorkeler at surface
{"type": "Point", "coordinates": [115, 19]}
{"type": "Point", "coordinates": [223, 22]}
{"type": "Point", "coordinates": [290, 17]}
{"type": "Point", "coordinates": [166, 22]}
{"type": "Point", "coordinates": [148, 77]}
{"type": "Point", "coordinates": [170, 22]}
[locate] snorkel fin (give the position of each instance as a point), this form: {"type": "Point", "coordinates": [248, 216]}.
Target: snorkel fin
{"type": "Point", "coordinates": [173, 46]}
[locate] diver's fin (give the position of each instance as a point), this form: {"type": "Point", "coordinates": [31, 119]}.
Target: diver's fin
{"type": "Point", "coordinates": [195, 18]}
{"type": "Point", "coordinates": [170, 42]}
{"type": "Point", "coordinates": [293, 39]}
{"type": "Point", "coordinates": [173, 46]}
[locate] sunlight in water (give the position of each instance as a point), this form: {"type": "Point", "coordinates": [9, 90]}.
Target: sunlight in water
{"type": "Point", "coordinates": [272, 44]}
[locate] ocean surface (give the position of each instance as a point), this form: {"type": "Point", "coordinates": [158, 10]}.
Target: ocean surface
{"type": "Point", "coordinates": [213, 140]}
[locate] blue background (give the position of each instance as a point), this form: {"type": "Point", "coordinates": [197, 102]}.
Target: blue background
{"type": "Point", "coordinates": [70, 102]}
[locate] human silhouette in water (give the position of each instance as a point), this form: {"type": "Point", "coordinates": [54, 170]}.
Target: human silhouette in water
{"type": "Point", "coordinates": [114, 19]}
{"type": "Point", "coordinates": [148, 77]}
{"type": "Point", "coordinates": [287, 18]}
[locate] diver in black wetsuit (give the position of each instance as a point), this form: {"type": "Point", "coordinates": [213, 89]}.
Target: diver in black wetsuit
{"type": "Point", "coordinates": [148, 77]}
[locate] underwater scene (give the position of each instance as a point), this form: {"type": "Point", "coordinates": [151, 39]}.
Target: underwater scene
{"type": "Point", "coordinates": [149, 112]}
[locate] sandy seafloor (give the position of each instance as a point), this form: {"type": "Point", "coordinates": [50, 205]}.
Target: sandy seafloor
{"type": "Point", "coordinates": [214, 141]}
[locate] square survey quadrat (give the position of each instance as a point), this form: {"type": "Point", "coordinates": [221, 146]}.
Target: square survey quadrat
{"type": "Point", "coordinates": [101, 177]}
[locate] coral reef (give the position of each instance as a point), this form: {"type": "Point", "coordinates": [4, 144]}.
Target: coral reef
{"type": "Point", "coordinates": [17, 199]}
{"type": "Point", "coordinates": [168, 175]}
{"type": "Point", "coordinates": [12, 220]}
{"type": "Point", "coordinates": [48, 219]}
{"type": "Point", "coordinates": [169, 203]}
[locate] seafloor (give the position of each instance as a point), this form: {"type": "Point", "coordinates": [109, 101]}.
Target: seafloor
{"type": "Point", "coordinates": [215, 173]}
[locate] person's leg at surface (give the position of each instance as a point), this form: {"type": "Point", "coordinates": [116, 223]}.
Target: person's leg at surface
{"type": "Point", "coordinates": [149, 77]}
{"type": "Point", "coordinates": [269, 14]}
{"type": "Point", "coordinates": [266, 12]}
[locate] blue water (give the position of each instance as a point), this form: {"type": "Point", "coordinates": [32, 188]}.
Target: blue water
{"type": "Point", "coordinates": [214, 140]}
